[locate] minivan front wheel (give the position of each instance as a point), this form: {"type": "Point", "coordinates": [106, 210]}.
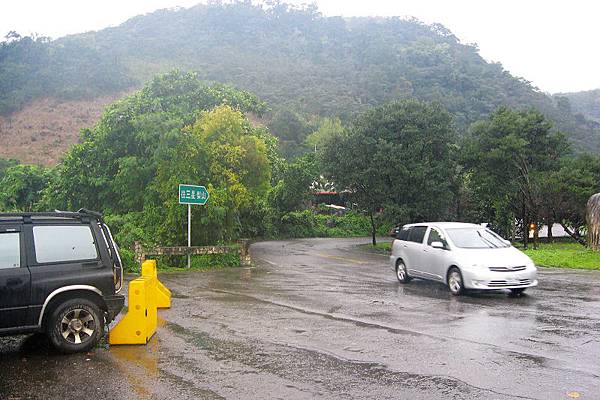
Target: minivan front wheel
{"type": "Point", "coordinates": [455, 281]}
{"type": "Point", "coordinates": [401, 273]}
{"type": "Point", "coordinates": [75, 326]}
{"type": "Point", "coordinates": [517, 291]}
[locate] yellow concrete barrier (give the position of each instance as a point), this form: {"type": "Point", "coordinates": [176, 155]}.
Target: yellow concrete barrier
{"type": "Point", "coordinates": [160, 292]}
{"type": "Point", "coordinates": [146, 294]}
{"type": "Point", "coordinates": [139, 324]}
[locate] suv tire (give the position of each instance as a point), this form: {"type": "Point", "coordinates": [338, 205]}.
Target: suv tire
{"type": "Point", "coordinates": [75, 326]}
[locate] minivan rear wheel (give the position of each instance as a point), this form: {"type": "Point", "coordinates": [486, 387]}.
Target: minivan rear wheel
{"type": "Point", "coordinates": [455, 281]}
{"type": "Point", "coordinates": [401, 273]}
{"type": "Point", "coordinates": [75, 326]}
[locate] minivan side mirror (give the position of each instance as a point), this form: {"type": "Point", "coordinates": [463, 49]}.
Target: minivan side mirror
{"type": "Point", "coordinates": [438, 245]}
{"type": "Point", "coordinates": [394, 232]}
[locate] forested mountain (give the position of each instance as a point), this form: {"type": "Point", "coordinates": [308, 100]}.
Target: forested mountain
{"type": "Point", "coordinates": [293, 58]}
{"type": "Point", "coordinates": [586, 103]}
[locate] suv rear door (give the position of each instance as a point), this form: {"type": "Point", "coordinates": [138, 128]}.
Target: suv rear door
{"type": "Point", "coordinates": [63, 256]}
{"type": "Point", "coordinates": [15, 280]}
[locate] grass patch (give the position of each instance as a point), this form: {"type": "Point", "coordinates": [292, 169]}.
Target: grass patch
{"type": "Point", "coordinates": [564, 255]}
{"type": "Point", "coordinates": [379, 248]}
{"type": "Point", "coordinates": [207, 262]}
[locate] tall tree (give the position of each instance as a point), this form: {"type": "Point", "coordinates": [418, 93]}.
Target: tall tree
{"type": "Point", "coordinates": [509, 156]}
{"type": "Point", "coordinates": [569, 188]}
{"type": "Point", "coordinates": [20, 187]}
{"type": "Point", "coordinates": [396, 158]}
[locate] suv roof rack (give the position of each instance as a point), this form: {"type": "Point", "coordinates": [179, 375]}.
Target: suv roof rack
{"type": "Point", "coordinates": [27, 216]}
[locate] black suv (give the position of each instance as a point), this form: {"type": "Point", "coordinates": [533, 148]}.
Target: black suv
{"type": "Point", "coordinates": [60, 273]}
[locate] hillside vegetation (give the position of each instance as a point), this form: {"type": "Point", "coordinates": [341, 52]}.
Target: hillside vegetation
{"type": "Point", "coordinates": [586, 103]}
{"type": "Point", "coordinates": [511, 167]}
{"type": "Point", "coordinates": [293, 58]}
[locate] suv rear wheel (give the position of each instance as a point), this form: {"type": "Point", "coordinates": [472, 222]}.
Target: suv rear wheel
{"type": "Point", "coordinates": [75, 326]}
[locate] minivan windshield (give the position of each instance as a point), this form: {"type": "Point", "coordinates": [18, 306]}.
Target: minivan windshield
{"type": "Point", "coordinates": [473, 238]}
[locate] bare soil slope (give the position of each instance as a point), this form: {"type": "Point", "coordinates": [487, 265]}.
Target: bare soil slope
{"type": "Point", "coordinates": [42, 131]}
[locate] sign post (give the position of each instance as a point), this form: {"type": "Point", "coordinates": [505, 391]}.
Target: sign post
{"type": "Point", "coordinates": [192, 194]}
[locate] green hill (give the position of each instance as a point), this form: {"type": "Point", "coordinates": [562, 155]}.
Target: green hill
{"type": "Point", "coordinates": [294, 58]}
{"type": "Point", "coordinates": [586, 103]}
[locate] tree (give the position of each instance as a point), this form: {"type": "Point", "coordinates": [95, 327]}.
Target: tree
{"type": "Point", "coordinates": [221, 151]}
{"type": "Point", "coordinates": [292, 192]}
{"type": "Point", "coordinates": [118, 158]}
{"type": "Point", "coordinates": [5, 164]}
{"type": "Point", "coordinates": [396, 158]}
{"type": "Point", "coordinates": [175, 130]}
{"type": "Point", "coordinates": [509, 156]}
{"type": "Point", "coordinates": [292, 130]}
{"type": "Point", "coordinates": [20, 187]}
{"type": "Point", "coordinates": [329, 128]}
{"type": "Point", "coordinates": [569, 189]}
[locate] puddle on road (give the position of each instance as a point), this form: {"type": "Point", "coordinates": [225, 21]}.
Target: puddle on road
{"type": "Point", "coordinates": [529, 360]}
{"type": "Point", "coordinates": [177, 295]}
{"type": "Point", "coordinates": [146, 369]}
{"type": "Point", "coordinates": [138, 364]}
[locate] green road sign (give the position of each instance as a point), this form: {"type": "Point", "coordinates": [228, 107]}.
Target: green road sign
{"type": "Point", "coordinates": [192, 194]}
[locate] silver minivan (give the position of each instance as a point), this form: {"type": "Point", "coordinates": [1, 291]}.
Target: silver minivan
{"type": "Point", "coordinates": [463, 256]}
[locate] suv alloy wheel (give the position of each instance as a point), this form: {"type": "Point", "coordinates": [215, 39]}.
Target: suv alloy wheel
{"type": "Point", "coordinates": [75, 326]}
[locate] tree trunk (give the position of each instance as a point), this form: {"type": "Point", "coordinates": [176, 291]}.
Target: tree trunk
{"type": "Point", "coordinates": [513, 232]}
{"type": "Point", "coordinates": [373, 229]}
{"type": "Point", "coordinates": [574, 234]}
{"type": "Point", "coordinates": [524, 223]}
{"type": "Point", "coordinates": [592, 218]}
{"type": "Point", "coordinates": [550, 223]}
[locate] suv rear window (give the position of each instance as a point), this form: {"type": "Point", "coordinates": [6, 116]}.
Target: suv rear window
{"type": "Point", "coordinates": [55, 243]}
{"type": "Point", "coordinates": [10, 253]}
{"type": "Point", "coordinates": [417, 233]}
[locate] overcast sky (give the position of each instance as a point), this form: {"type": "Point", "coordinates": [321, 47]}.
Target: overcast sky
{"type": "Point", "coordinates": [554, 44]}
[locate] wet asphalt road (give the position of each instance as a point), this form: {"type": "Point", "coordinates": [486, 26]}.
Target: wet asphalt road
{"type": "Point", "coordinates": [320, 318]}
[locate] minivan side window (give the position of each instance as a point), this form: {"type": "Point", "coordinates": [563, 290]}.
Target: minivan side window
{"type": "Point", "coordinates": [56, 243]}
{"type": "Point", "coordinates": [417, 233]}
{"type": "Point", "coordinates": [10, 250]}
{"type": "Point", "coordinates": [435, 236]}
{"type": "Point", "coordinates": [403, 234]}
